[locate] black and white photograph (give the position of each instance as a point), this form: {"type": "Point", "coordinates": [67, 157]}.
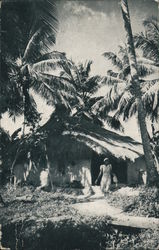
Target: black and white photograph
{"type": "Point", "coordinates": [79, 124]}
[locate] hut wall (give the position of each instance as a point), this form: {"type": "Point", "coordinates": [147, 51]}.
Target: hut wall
{"type": "Point", "coordinates": [133, 173]}
{"type": "Point", "coordinates": [79, 171]}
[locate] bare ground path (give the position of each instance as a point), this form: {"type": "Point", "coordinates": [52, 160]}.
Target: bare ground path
{"type": "Point", "coordinates": [97, 205]}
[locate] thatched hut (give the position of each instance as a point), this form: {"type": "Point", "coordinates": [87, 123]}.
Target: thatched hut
{"type": "Point", "coordinates": [77, 147]}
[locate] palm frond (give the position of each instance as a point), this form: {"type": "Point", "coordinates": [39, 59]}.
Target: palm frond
{"type": "Point", "coordinates": [53, 55]}
{"type": "Point", "coordinates": [64, 98]}
{"type": "Point", "coordinates": [91, 85]}
{"type": "Point", "coordinates": [55, 90]}
{"type": "Point", "coordinates": [151, 103]}
{"type": "Point", "coordinates": [123, 54]}
{"type": "Point", "coordinates": [30, 52]}
{"type": "Point", "coordinates": [45, 91]}
{"type": "Point", "coordinates": [149, 47]}
{"type": "Point", "coordinates": [87, 68]}
{"type": "Point", "coordinates": [113, 122]}
{"type": "Point", "coordinates": [125, 105]}
{"type": "Point", "coordinates": [15, 112]}
{"type": "Point", "coordinates": [125, 72]}
{"type": "Point", "coordinates": [152, 28]}
{"type": "Point", "coordinates": [145, 70]}
{"type": "Point", "coordinates": [152, 21]}
{"type": "Point", "coordinates": [110, 80]}
{"type": "Point", "coordinates": [68, 67]}
{"type": "Point", "coordinates": [57, 82]}
{"type": "Point", "coordinates": [46, 65]}
{"type": "Point", "coordinates": [148, 83]}
{"type": "Point", "coordinates": [107, 103]}
{"type": "Point", "coordinates": [93, 100]}
{"type": "Point", "coordinates": [38, 46]}
{"type": "Point", "coordinates": [44, 26]}
{"type": "Point", "coordinates": [151, 94]}
{"type": "Point", "coordinates": [45, 14]}
{"type": "Point", "coordinates": [110, 72]}
{"type": "Point", "coordinates": [146, 62]}
{"type": "Point", "coordinates": [114, 59]}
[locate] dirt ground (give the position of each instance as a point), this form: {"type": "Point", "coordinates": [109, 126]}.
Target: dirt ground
{"type": "Point", "coordinates": [35, 219]}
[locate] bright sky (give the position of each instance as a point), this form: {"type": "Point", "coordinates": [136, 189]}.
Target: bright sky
{"type": "Point", "coordinates": [91, 27]}
{"type": "Point", "coordinates": [88, 29]}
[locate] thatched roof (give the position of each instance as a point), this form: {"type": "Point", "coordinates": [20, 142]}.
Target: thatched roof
{"type": "Point", "coordinates": [98, 139]}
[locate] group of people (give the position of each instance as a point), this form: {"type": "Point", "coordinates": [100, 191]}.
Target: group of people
{"type": "Point", "coordinates": [106, 176]}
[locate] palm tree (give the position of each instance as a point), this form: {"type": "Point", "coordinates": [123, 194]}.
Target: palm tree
{"type": "Point", "coordinates": [28, 36]}
{"type": "Point", "coordinates": [132, 90]}
{"type": "Point", "coordinates": [86, 86]}
{"type": "Point", "coordinates": [152, 175]}
{"type": "Point", "coordinates": [28, 39]}
{"type": "Point", "coordinates": [120, 97]}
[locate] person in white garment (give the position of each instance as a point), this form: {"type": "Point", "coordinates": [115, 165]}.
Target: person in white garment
{"type": "Point", "coordinates": [105, 172]}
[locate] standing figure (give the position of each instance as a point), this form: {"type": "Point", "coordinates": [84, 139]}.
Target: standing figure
{"type": "Point", "coordinates": [115, 179]}
{"type": "Point", "coordinates": [142, 177]}
{"type": "Point", "coordinates": [105, 172]}
{"type": "Point", "coordinates": [22, 170]}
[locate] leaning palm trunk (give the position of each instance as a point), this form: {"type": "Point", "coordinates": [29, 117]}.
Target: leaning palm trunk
{"type": "Point", "coordinates": [152, 175]}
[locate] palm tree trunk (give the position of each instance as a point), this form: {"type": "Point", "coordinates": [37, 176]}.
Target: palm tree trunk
{"type": "Point", "coordinates": [152, 175]}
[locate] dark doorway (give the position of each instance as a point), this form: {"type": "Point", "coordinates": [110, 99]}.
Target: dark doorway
{"type": "Point", "coordinates": [119, 167]}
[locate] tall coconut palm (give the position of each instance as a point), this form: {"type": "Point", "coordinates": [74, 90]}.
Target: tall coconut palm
{"type": "Point", "coordinates": [131, 90]}
{"type": "Point", "coordinates": [29, 30]}
{"type": "Point", "coordinates": [152, 175]}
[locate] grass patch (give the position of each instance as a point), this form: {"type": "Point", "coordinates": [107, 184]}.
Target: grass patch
{"type": "Point", "coordinates": [145, 204]}
{"type": "Point", "coordinates": [36, 219]}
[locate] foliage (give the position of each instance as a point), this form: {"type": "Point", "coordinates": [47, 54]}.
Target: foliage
{"type": "Point", "coordinates": [86, 87]}
{"type": "Point", "coordinates": [30, 62]}
{"type": "Point", "coordinates": [56, 225]}
{"type": "Point", "coordinates": [148, 41]}
{"type": "Point", "coordinates": [146, 204]}
{"type": "Point", "coordinates": [15, 148]}
{"type": "Point", "coordinates": [149, 239]}
{"type": "Point", "coordinates": [17, 29]}
{"type": "Point", "coordinates": [27, 21]}
{"type": "Point", "coordinates": [5, 142]}
{"type": "Point", "coordinates": [121, 93]}
{"type": "Point", "coordinates": [120, 96]}
{"type": "Point", "coordinates": [132, 94]}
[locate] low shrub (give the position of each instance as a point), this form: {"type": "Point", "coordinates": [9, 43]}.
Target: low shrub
{"type": "Point", "coordinates": [146, 204]}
